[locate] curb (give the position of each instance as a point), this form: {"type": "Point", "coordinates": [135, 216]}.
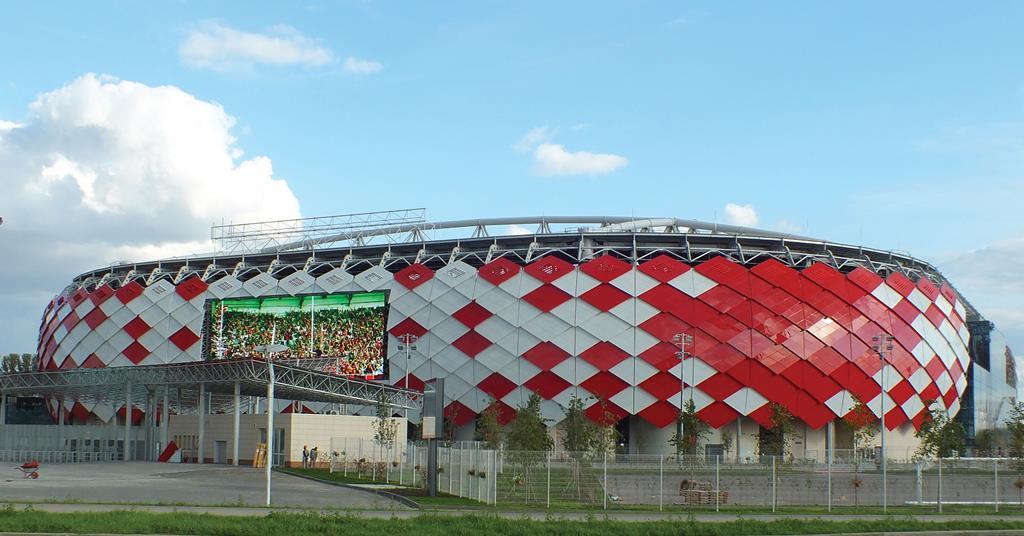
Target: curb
{"type": "Point", "coordinates": [386, 494]}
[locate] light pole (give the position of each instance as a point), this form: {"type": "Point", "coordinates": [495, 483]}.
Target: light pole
{"type": "Point", "coordinates": [408, 344]}
{"type": "Point", "coordinates": [682, 341]}
{"type": "Point", "coordinates": [882, 343]}
{"type": "Point", "coordinates": [270, 349]}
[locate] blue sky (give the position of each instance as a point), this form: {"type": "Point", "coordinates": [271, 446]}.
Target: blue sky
{"type": "Point", "coordinates": [892, 125]}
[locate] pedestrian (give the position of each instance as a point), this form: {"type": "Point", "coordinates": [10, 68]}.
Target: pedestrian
{"type": "Point", "coordinates": [312, 457]}
{"type": "Point", "coordinates": [305, 456]}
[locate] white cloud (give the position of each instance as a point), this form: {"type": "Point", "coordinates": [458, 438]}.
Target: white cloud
{"type": "Point", "coordinates": [103, 170]}
{"type": "Point", "coordinates": [357, 66]}
{"type": "Point", "coordinates": [211, 45]}
{"type": "Point", "coordinates": [533, 138]}
{"type": "Point", "coordinates": [743, 215]}
{"type": "Point", "coordinates": [515, 229]}
{"type": "Point", "coordinates": [553, 160]}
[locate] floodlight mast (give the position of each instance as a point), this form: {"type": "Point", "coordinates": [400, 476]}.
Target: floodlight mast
{"type": "Point", "coordinates": [882, 343]}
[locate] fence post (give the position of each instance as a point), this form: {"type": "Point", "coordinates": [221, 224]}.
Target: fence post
{"type": "Point", "coordinates": [774, 496]}
{"type": "Point", "coordinates": [718, 482]}
{"type": "Point", "coordinates": [940, 484]}
{"type": "Point", "coordinates": [828, 465]}
{"type": "Point", "coordinates": [995, 473]}
{"type": "Point", "coordinates": [401, 464]}
{"type": "Point", "coordinates": [918, 483]}
{"type": "Point", "coordinates": [494, 475]}
{"type": "Point", "coordinates": [605, 494]}
{"type": "Point", "coordinates": [549, 479]}
{"type": "Point", "coordinates": [661, 483]}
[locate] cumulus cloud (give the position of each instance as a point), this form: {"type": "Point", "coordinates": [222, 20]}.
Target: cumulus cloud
{"type": "Point", "coordinates": [554, 160]}
{"type": "Point", "coordinates": [743, 215]}
{"type": "Point", "coordinates": [212, 45]}
{"type": "Point", "coordinates": [105, 170]}
{"type": "Point", "coordinates": [357, 66]}
{"type": "Point", "coordinates": [992, 279]}
{"type": "Point", "coordinates": [533, 138]}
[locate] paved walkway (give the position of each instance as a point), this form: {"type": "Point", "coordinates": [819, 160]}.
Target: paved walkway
{"type": "Point", "coordinates": [170, 483]}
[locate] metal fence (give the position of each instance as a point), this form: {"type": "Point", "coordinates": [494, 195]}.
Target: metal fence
{"type": "Point", "coordinates": [56, 456]}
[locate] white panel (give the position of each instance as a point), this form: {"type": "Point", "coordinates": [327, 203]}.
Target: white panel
{"type": "Point", "coordinates": [159, 290]}
{"type": "Point", "coordinates": [455, 273]}
{"type": "Point", "coordinates": [496, 300]}
{"type": "Point", "coordinates": [84, 308]}
{"type": "Point", "coordinates": [960, 310]}
{"type": "Point", "coordinates": [296, 282]}
{"type": "Point", "coordinates": [882, 400]}
{"type": "Point", "coordinates": [520, 284]}
{"type": "Point", "coordinates": [746, 400]}
{"type": "Point", "coordinates": [546, 327]}
{"type": "Point", "coordinates": [700, 399]}
{"type": "Point", "coordinates": [494, 328]}
{"type": "Point", "coordinates": [642, 399]}
{"type": "Point", "coordinates": [495, 357]}
{"type": "Point", "coordinates": [139, 304]}
{"type": "Point", "coordinates": [225, 286]}
{"type": "Point", "coordinates": [912, 406]}
{"type": "Point", "coordinates": [427, 289]}
{"type": "Point", "coordinates": [604, 326]}
{"type": "Point", "coordinates": [334, 280]}
{"type": "Point", "coordinates": [566, 340]}
{"type": "Point", "coordinates": [566, 311]}
{"type": "Point", "coordinates": [449, 302]}
{"type": "Point", "coordinates": [885, 294]}
{"type": "Point", "coordinates": [694, 371]}
{"type": "Point", "coordinates": [943, 304]}
{"type": "Point", "coordinates": [920, 380]}
{"type": "Point", "coordinates": [642, 371]}
{"type": "Point", "coordinates": [624, 399]}
{"type": "Point", "coordinates": [919, 300]}
{"type": "Point", "coordinates": [584, 341]}
{"type": "Point", "coordinates": [450, 359]}
{"type": "Point", "coordinates": [449, 329]}
{"type": "Point", "coordinates": [625, 370]}
{"type": "Point", "coordinates": [153, 315]}
{"type": "Point", "coordinates": [693, 283]}
{"type": "Point", "coordinates": [626, 340]}
{"type": "Point", "coordinates": [407, 304]}
{"type": "Point", "coordinates": [261, 284]}
{"type": "Point", "coordinates": [108, 328]}
{"type": "Point", "coordinates": [374, 278]}
{"type": "Point", "coordinates": [841, 403]}
{"type": "Point", "coordinates": [111, 305]}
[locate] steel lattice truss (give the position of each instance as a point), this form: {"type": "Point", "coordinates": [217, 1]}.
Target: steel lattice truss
{"type": "Point", "coordinates": [291, 382]}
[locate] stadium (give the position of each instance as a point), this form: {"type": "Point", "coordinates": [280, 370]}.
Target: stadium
{"type": "Point", "coordinates": [636, 316]}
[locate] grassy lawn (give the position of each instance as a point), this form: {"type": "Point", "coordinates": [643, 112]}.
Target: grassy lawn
{"type": "Point", "coordinates": [14, 520]}
{"type": "Point", "coordinates": [416, 494]}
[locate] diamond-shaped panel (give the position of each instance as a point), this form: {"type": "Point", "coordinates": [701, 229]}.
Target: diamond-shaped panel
{"type": "Point", "coordinates": [547, 384]}
{"type": "Point", "coordinates": [604, 297]}
{"type": "Point", "coordinates": [472, 343]}
{"type": "Point", "coordinates": [472, 314]}
{"type": "Point", "coordinates": [413, 275]}
{"type": "Point", "coordinates": [546, 297]}
{"type": "Point", "coordinates": [184, 338]}
{"type": "Point", "coordinates": [498, 271]}
{"type": "Point", "coordinates": [548, 268]}
{"type": "Point", "coordinates": [605, 268]}
{"type": "Point", "coordinates": [191, 287]}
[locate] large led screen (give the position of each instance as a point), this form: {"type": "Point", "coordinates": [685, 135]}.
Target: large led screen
{"type": "Point", "coordinates": [347, 327]}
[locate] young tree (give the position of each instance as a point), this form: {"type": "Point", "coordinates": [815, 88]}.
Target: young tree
{"type": "Point", "coordinates": [489, 429]}
{"type": "Point", "coordinates": [385, 428]}
{"type": "Point", "coordinates": [774, 439]}
{"type": "Point", "coordinates": [940, 436]}
{"type": "Point", "coordinates": [1015, 428]}
{"type": "Point", "coordinates": [527, 439]}
{"type": "Point", "coordinates": [694, 431]}
{"type": "Point", "coordinates": [864, 425]}
{"type": "Point", "coordinates": [584, 439]}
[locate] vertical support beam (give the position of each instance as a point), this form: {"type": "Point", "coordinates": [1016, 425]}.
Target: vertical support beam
{"type": "Point", "coordinates": [238, 412]}
{"type": "Point", "coordinates": [200, 451]}
{"type": "Point", "coordinates": [128, 422]}
{"type": "Point", "coordinates": [830, 440]}
{"type": "Point", "coordinates": [60, 423]}
{"type": "Point", "coordinates": [147, 424]}
{"type": "Point", "coordinates": [165, 419]}
{"type": "Point", "coordinates": [270, 426]}
{"type": "Point", "coordinates": [3, 415]}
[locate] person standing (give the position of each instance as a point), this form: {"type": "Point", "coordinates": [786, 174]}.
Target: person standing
{"type": "Point", "coordinates": [312, 457]}
{"type": "Point", "coordinates": [305, 456]}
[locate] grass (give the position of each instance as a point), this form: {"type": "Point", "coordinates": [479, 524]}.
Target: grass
{"type": "Point", "coordinates": [416, 494]}
{"type": "Point", "coordinates": [125, 522]}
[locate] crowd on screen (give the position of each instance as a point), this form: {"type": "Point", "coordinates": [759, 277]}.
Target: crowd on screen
{"type": "Point", "coordinates": [355, 335]}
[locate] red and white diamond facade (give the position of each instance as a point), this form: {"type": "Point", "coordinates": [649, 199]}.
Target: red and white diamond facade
{"type": "Point", "coordinates": [601, 329]}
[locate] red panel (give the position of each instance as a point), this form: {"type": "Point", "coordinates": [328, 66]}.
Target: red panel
{"type": "Point", "coordinates": [864, 278]}
{"type": "Point", "coordinates": [778, 358]}
{"type": "Point", "coordinates": [129, 292]}
{"type": "Point", "coordinates": [496, 385]}
{"type": "Point", "coordinates": [68, 364]}
{"type": "Point", "coordinates": [723, 298]}
{"type": "Point", "coordinates": [762, 416]}
{"type": "Point", "coordinates": [605, 268]}
{"type": "Point", "coordinates": [661, 356]}
{"type": "Point", "coordinates": [135, 352]}
{"type": "Point", "coordinates": [722, 357]}
{"type": "Point", "coordinates": [504, 412]}
{"type": "Point", "coordinates": [901, 392]}
{"type": "Point", "coordinates": [184, 338]}
{"type": "Point", "coordinates": [803, 344]}
{"type": "Point", "coordinates": [408, 327]}
{"type": "Point", "coordinates": [137, 415]}
{"type": "Point", "coordinates": [935, 368]}
{"type": "Point", "coordinates": [70, 321]}
{"type": "Point", "coordinates": [604, 384]}
{"type": "Point", "coordinates": [668, 299]}
{"type": "Point", "coordinates": [720, 386]}
{"type": "Point", "coordinates": [605, 355]}
{"type": "Point", "coordinates": [545, 355]}
{"type": "Point", "coordinates": [472, 343]}
{"type": "Point", "coordinates": [664, 326]}
{"type": "Point", "coordinates": [460, 414]}
{"type": "Point", "coordinates": [928, 288]}
{"type": "Point", "coordinates": [900, 283]}
{"type": "Point", "coordinates": [718, 414]}
{"type": "Point", "coordinates": [92, 362]}
{"type": "Point", "coordinates": [662, 385]}
{"type": "Point", "coordinates": [750, 343]}
{"type": "Point", "coordinates": [894, 418]}
{"type": "Point", "coordinates": [605, 412]}
{"type": "Point", "coordinates": [722, 327]}
{"type": "Point", "coordinates": [950, 396]}
{"type": "Point", "coordinates": [723, 270]}
{"type": "Point", "coordinates": [930, 394]}
{"type": "Point", "coordinates": [826, 360]}
{"type": "Point", "coordinates": [498, 271]}
{"type": "Point", "coordinates": [415, 383]}
{"type": "Point", "coordinates": [948, 292]}
{"type": "Point", "coordinates": [828, 277]}
{"type": "Point", "coordinates": [546, 297]}
{"type": "Point", "coordinates": [776, 273]}
{"type": "Point", "coordinates": [920, 418]}
{"type": "Point", "coordinates": [660, 414]}
{"type": "Point", "coordinates": [604, 297]}
{"type": "Point", "coordinates": [548, 268]}
{"type": "Point", "coordinates": [95, 318]}
{"type": "Point", "coordinates": [101, 294]}
{"type": "Point", "coordinates": [413, 275]}
{"type": "Point", "coordinates": [664, 268]}
{"type": "Point", "coordinates": [547, 384]}
{"type": "Point", "coordinates": [858, 383]}
{"type": "Point", "coordinates": [136, 328]}
{"type": "Point", "coordinates": [472, 314]}
{"type": "Point", "coordinates": [79, 413]}
{"type": "Point", "coordinates": [934, 315]}
{"type": "Point", "coordinates": [78, 297]}
{"type": "Point", "coordinates": [191, 287]}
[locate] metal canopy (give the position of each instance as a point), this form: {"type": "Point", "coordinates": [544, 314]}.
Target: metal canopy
{"type": "Point", "coordinates": [292, 381]}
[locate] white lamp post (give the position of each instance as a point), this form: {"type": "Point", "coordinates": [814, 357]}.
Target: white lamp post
{"type": "Point", "coordinates": [682, 341]}
{"type": "Point", "coordinates": [270, 350]}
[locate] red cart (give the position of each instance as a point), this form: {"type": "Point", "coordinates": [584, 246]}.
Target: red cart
{"type": "Point", "coordinates": [30, 469]}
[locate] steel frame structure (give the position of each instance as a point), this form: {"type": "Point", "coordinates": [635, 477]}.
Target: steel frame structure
{"type": "Point", "coordinates": [292, 382]}
{"type": "Point", "coordinates": [632, 239]}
